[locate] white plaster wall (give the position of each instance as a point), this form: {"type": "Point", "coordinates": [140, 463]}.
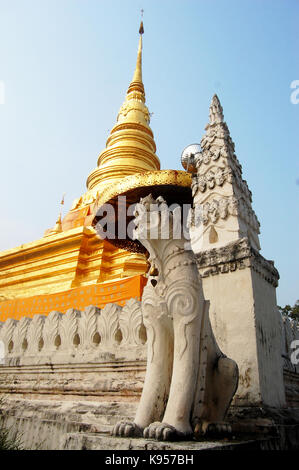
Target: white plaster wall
{"type": "Point", "coordinates": [246, 325]}
{"type": "Point", "coordinates": [233, 323]}
{"type": "Point", "coordinates": [269, 342]}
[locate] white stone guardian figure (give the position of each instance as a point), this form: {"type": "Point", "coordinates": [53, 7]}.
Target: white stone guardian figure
{"type": "Point", "coordinates": [189, 383]}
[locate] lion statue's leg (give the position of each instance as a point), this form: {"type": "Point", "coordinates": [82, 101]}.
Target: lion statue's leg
{"type": "Point", "coordinates": [183, 303]}
{"type": "Point", "coordinates": [159, 368]}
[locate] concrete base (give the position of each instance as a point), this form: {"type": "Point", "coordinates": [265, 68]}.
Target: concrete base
{"type": "Point", "coordinates": [85, 441]}
{"type": "Point", "coordinates": [240, 285]}
{"type": "Point", "coordinates": [44, 423]}
{"type": "Point", "coordinates": [54, 423]}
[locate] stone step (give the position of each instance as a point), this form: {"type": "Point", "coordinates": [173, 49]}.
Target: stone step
{"type": "Point", "coordinates": [87, 425]}
{"type": "Point", "coordinates": [41, 424]}
{"type": "Point", "coordinates": [96, 413]}
{"type": "Point", "coordinates": [89, 441]}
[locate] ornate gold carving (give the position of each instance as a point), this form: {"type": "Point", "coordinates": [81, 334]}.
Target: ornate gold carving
{"type": "Point", "coordinates": [181, 179]}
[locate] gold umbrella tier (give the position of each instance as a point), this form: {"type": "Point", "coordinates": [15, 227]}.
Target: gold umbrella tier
{"type": "Point", "coordinates": [173, 185]}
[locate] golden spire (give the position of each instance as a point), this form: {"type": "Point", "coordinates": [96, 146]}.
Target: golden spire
{"type": "Point", "coordinates": [58, 225]}
{"type": "Point", "coordinates": [137, 84]}
{"type": "Point", "coordinates": [130, 148]}
{"type": "Point", "coordinates": [56, 229]}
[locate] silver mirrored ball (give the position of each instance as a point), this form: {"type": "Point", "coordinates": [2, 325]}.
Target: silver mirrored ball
{"type": "Point", "coordinates": [188, 158]}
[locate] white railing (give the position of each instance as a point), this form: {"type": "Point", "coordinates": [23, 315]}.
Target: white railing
{"type": "Point", "coordinates": [66, 337]}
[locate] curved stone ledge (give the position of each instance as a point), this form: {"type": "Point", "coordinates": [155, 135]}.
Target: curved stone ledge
{"type": "Point", "coordinates": [118, 379]}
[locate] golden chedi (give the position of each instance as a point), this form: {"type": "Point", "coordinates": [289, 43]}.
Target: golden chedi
{"type": "Point", "coordinates": [71, 267]}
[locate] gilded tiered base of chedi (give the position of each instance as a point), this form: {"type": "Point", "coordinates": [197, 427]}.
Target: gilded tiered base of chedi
{"type": "Point", "coordinates": [69, 266]}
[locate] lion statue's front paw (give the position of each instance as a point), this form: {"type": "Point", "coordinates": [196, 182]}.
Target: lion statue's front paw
{"type": "Point", "coordinates": [126, 429]}
{"type": "Point", "coordinates": [213, 429]}
{"type": "Point", "coordinates": [163, 432]}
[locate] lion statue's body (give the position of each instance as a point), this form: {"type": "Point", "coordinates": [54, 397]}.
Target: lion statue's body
{"type": "Point", "coordinates": [189, 383]}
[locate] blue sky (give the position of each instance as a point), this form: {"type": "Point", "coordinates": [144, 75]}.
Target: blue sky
{"type": "Point", "coordinates": [66, 65]}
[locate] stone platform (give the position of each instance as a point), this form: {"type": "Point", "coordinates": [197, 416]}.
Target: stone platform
{"type": "Point", "coordinates": [72, 423]}
{"type": "Point", "coordinates": [46, 423]}
{"type": "Point", "coordinates": [67, 379]}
